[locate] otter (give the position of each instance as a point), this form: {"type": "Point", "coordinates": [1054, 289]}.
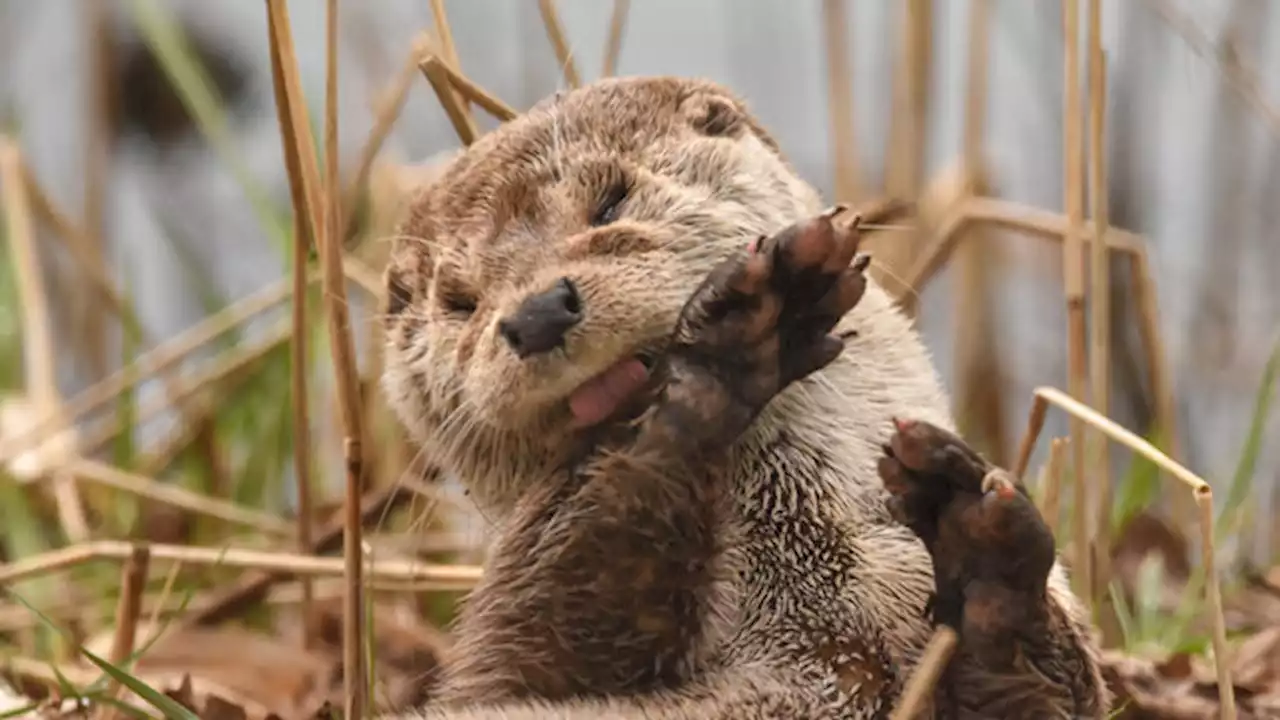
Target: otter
{"type": "Point", "coordinates": [537, 288]}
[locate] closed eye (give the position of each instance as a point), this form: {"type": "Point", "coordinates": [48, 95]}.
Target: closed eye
{"type": "Point", "coordinates": [458, 304]}
{"type": "Point", "coordinates": [609, 205]}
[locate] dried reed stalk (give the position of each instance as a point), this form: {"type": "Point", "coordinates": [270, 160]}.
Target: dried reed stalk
{"type": "Point", "coordinates": [1073, 278]}
{"type": "Point", "coordinates": [448, 577]}
{"type": "Point", "coordinates": [977, 359]}
{"type": "Point", "coordinates": [835, 20]}
{"type": "Point", "coordinates": [231, 362]}
{"type": "Point", "coordinates": [230, 602]}
{"type": "Point", "coordinates": [217, 378]}
{"type": "Point", "coordinates": [555, 33]}
{"type": "Point", "coordinates": [1048, 225]}
{"type": "Point", "coordinates": [179, 497]}
{"type": "Point", "coordinates": [304, 227]}
{"type": "Point", "coordinates": [1199, 489]}
{"type": "Point", "coordinates": [97, 169]}
{"type": "Point", "coordinates": [348, 382]}
{"type": "Point", "coordinates": [149, 365]}
{"type": "Point", "coordinates": [447, 47]}
{"type": "Point", "coordinates": [39, 359]}
{"type": "Point", "coordinates": [1051, 498]}
{"type": "Point", "coordinates": [1100, 328]}
{"type": "Point", "coordinates": [613, 45]}
{"type": "Point", "coordinates": [463, 124]}
{"type": "Point", "coordinates": [133, 581]}
{"type": "Point", "coordinates": [476, 94]}
{"type": "Point", "coordinates": [917, 694]}
{"type": "Point", "coordinates": [386, 113]}
{"type": "Point", "coordinates": [79, 243]}
{"type": "Point", "coordinates": [907, 132]}
{"type": "Point", "coordinates": [1157, 369]}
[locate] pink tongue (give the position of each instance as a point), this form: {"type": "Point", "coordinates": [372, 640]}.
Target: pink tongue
{"type": "Point", "coordinates": [601, 396]}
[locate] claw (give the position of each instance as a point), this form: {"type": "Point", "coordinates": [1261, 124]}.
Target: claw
{"type": "Point", "coordinates": [833, 211]}
{"type": "Point", "coordinates": [903, 425]}
{"type": "Point", "coordinates": [995, 480]}
{"type": "Point", "coordinates": [861, 262]}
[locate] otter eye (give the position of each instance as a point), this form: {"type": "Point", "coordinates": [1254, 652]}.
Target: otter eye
{"type": "Point", "coordinates": [398, 295]}
{"type": "Point", "coordinates": [609, 205]}
{"type": "Point", "coordinates": [458, 304]}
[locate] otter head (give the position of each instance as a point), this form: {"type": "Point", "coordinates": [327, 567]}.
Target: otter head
{"type": "Point", "coordinates": [535, 279]}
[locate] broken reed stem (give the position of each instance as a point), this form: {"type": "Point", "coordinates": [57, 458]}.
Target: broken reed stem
{"type": "Point", "coordinates": [148, 365]}
{"type": "Point", "coordinates": [301, 414]}
{"type": "Point", "coordinates": [233, 361]}
{"type": "Point", "coordinates": [344, 365]}
{"type": "Point", "coordinates": [1100, 328]}
{"type": "Point", "coordinates": [79, 244]}
{"type": "Point", "coordinates": [1051, 498]}
{"type": "Point", "coordinates": [39, 361]}
{"type": "Point", "coordinates": [445, 577]}
{"type": "Point", "coordinates": [303, 229]}
{"type": "Point", "coordinates": [447, 47]}
{"type": "Point", "coordinates": [835, 19]}
{"type": "Point", "coordinates": [1046, 396]}
{"type": "Point", "coordinates": [155, 607]}
{"type": "Point", "coordinates": [386, 114]}
{"type": "Point", "coordinates": [920, 686]}
{"type": "Point", "coordinates": [975, 107]}
{"type": "Point", "coordinates": [450, 98]}
{"type": "Point", "coordinates": [463, 124]}
{"type": "Point", "coordinates": [1226, 690]}
{"type": "Point", "coordinates": [613, 44]}
{"type": "Point", "coordinates": [133, 581]}
{"type": "Point", "coordinates": [478, 95]}
{"type": "Point", "coordinates": [176, 496]}
{"type": "Point", "coordinates": [97, 168]}
{"type": "Point", "coordinates": [977, 269]}
{"type": "Point", "coordinates": [1157, 369]}
{"type": "Point", "coordinates": [555, 33]}
{"type": "Point", "coordinates": [1047, 224]}
{"type": "Point", "coordinates": [1200, 489]}
{"type": "Point", "coordinates": [355, 663]}
{"type": "Point", "coordinates": [37, 339]}
{"type": "Point", "coordinates": [1073, 278]}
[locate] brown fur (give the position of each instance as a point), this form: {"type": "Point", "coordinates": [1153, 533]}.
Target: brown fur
{"type": "Point", "coordinates": [817, 604]}
{"type": "Point", "coordinates": [601, 581]}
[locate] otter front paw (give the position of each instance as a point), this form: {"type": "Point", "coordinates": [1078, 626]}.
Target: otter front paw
{"type": "Point", "coordinates": [991, 549]}
{"type": "Point", "coordinates": [760, 321]}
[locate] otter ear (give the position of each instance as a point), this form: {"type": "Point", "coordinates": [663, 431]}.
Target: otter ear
{"type": "Point", "coordinates": [715, 115]}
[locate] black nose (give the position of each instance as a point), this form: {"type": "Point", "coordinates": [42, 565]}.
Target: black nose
{"type": "Point", "coordinates": [541, 321]}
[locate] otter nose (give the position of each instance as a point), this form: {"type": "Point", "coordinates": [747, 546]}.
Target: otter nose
{"type": "Point", "coordinates": [539, 324]}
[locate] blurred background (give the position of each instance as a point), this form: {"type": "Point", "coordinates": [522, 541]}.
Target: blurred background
{"type": "Point", "coordinates": [185, 206]}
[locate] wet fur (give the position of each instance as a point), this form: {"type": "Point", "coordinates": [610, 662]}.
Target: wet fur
{"type": "Point", "coordinates": [818, 606]}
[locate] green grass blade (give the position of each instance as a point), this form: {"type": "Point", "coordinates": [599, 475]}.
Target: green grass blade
{"type": "Point", "coordinates": [20, 712]}
{"type": "Point", "coordinates": [1242, 480]}
{"type": "Point", "coordinates": [157, 699]}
